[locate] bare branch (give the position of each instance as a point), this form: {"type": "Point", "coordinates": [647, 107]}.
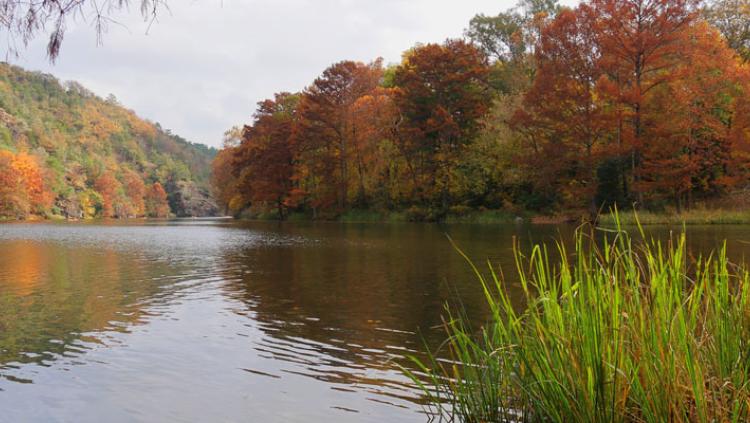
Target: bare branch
{"type": "Point", "coordinates": [23, 20]}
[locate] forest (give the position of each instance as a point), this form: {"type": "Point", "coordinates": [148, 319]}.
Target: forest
{"type": "Point", "coordinates": [542, 109]}
{"type": "Point", "coordinates": [64, 152]}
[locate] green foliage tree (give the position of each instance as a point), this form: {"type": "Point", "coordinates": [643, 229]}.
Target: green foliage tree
{"type": "Point", "coordinates": [732, 19]}
{"type": "Point", "coordinates": [499, 37]}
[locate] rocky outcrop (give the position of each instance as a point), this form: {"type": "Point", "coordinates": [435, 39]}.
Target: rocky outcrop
{"type": "Point", "coordinates": [186, 199]}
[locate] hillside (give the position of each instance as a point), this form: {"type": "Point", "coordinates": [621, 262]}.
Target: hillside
{"type": "Point", "coordinates": [67, 152]}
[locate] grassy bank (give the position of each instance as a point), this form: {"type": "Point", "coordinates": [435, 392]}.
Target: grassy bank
{"type": "Point", "coordinates": [412, 214]}
{"type": "Point", "coordinates": [618, 333]}
{"type": "Point", "coordinates": [415, 214]}
{"type": "Point", "coordinates": [487, 216]}
{"type": "Point", "coordinates": [691, 217]}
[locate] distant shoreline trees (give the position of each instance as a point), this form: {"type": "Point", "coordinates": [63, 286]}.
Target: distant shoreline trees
{"type": "Point", "coordinates": [354, 140]}
{"type": "Point", "coordinates": [546, 108]}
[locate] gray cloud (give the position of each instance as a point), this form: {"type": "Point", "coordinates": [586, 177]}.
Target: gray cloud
{"type": "Point", "coordinates": [201, 68]}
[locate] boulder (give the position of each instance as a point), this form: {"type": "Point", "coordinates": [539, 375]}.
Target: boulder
{"type": "Point", "coordinates": [186, 199]}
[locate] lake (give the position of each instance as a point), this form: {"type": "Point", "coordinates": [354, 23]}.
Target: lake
{"type": "Point", "coordinates": [216, 320]}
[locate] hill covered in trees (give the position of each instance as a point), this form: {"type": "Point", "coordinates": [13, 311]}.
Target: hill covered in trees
{"type": "Point", "coordinates": [542, 108]}
{"type": "Point", "coordinates": [66, 152]}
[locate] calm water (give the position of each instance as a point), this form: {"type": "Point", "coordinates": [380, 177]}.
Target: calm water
{"type": "Point", "coordinates": [226, 321]}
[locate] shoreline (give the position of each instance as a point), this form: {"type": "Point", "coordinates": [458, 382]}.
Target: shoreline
{"type": "Point", "coordinates": [485, 217]}
{"type": "Point", "coordinates": [691, 217]}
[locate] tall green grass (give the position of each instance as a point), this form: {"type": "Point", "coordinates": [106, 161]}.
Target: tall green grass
{"type": "Point", "coordinates": [617, 331]}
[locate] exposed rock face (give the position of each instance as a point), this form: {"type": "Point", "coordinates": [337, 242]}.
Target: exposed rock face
{"type": "Point", "coordinates": [186, 199]}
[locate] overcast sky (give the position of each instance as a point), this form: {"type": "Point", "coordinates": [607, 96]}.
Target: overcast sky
{"type": "Point", "coordinates": [202, 67]}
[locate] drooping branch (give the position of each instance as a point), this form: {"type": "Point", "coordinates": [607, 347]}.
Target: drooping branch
{"type": "Point", "coordinates": [23, 20]}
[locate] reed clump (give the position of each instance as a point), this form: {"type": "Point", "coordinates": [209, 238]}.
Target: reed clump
{"type": "Point", "coordinates": [617, 331]}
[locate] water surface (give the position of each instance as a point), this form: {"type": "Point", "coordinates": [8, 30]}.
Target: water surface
{"type": "Point", "coordinates": [212, 320]}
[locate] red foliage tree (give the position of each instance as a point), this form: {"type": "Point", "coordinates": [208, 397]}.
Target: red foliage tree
{"type": "Point", "coordinates": [692, 149]}
{"type": "Point", "coordinates": [264, 159]}
{"type": "Point", "coordinates": [562, 119]}
{"type": "Point", "coordinates": [642, 84]}
{"type": "Point", "coordinates": [441, 93]}
{"type": "Point", "coordinates": [641, 42]}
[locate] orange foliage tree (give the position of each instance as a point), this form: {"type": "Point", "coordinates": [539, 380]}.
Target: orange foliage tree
{"type": "Point", "coordinates": [639, 86]}
{"type": "Point", "coordinates": [110, 189]}
{"type": "Point", "coordinates": [224, 182]}
{"type": "Point", "coordinates": [355, 140]}
{"type": "Point", "coordinates": [22, 187]}
{"type": "Point", "coordinates": [11, 201]}
{"type": "Point", "coordinates": [135, 190]}
{"type": "Point", "coordinates": [378, 166]}
{"type": "Point", "coordinates": [325, 134]}
{"type": "Point", "coordinates": [691, 153]}
{"type": "Point", "coordinates": [155, 201]}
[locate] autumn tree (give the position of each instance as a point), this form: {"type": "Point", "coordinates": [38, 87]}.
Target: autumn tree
{"type": "Point", "coordinates": [31, 172]}
{"type": "Point", "coordinates": [224, 181]}
{"type": "Point", "coordinates": [642, 43]}
{"type": "Point", "coordinates": [638, 89]}
{"type": "Point", "coordinates": [326, 131]}
{"type": "Point", "coordinates": [381, 173]}
{"type": "Point", "coordinates": [441, 93]}
{"type": "Point", "coordinates": [135, 189]}
{"type": "Point", "coordinates": [155, 201]}
{"type": "Point", "coordinates": [693, 150]}
{"type": "Point", "coordinates": [12, 202]}
{"type": "Point", "coordinates": [264, 159]}
{"type": "Point", "coordinates": [563, 121]}
{"type": "Point", "coordinates": [22, 186]}
{"type": "Point", "coordinates": [110, 190]}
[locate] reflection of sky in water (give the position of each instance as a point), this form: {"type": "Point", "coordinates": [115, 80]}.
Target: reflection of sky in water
{"type": "Point", "coordinates": [225, 321]}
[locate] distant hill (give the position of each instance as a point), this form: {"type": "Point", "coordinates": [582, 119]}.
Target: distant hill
{"type": "Point", "coordinates": [66, 152]}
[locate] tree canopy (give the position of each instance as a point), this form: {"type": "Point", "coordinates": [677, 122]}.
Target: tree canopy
{"type": "Point", "coordinates": [542, 107]}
